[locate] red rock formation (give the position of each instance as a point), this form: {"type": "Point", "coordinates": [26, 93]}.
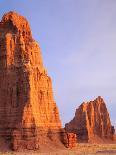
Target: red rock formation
{"type": "Point", "coordinates": [91, 122]}
{"type": "Point", "coordinates": [70, 140]}
{"type": "Point", "coordinates": [28, 112]}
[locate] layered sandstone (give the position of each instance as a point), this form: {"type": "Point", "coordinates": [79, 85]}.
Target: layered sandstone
{"type": "Point", "coordinates": [28, 112]}
{"type": "Point", "coordinates": [70, 140]}
{"type": "Point", "coordinates": [92, 122]}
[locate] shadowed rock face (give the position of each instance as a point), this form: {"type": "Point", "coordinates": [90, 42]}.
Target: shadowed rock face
{"type": "Point", "coordinates": [91, 122]}
{"type": "Point", "coordinates": [27, 106]}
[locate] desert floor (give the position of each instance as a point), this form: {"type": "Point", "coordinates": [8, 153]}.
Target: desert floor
{"type": "Point", "coordinates": [80, 149]}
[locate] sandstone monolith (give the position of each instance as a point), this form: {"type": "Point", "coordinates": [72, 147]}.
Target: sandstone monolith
{"type": "Point", "coordinates": [92, 122]}
{"type": "Point", "coordinates": [29, 116]}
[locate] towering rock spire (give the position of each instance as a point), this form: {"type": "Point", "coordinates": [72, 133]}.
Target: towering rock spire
{"type": "Point", "coordinates": [92, 122]}
{"type": "Point", "coordinates": [27, 106]}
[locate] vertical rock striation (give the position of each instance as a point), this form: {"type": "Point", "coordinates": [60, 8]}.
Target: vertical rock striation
{"type": "Point", "coordinates": [70, 140]}
{"type": "Point", "coordinates": [92, 122]}
{"type": "Point", "coordinates": [28, 112]}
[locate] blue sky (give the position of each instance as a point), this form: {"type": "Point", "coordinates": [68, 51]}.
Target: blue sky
{"type": "Point", "coordinates": [77, 39]}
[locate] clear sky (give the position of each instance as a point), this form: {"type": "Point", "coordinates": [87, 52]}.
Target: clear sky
{"type": "Point", "coordinates": [78, 43]}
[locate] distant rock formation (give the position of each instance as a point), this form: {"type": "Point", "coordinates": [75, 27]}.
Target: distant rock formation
{"type": "Point", "coordinates": [70, 140]}
{"type": "Point", "coordinates": [91, 122]}
{"type": "Point", "coordinates": [29, 116]}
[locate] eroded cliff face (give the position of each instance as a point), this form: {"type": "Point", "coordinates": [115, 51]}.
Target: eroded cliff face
{"type": "Point", "coordinates": [27, 106]}
{"type": "Point", "coordinates": [92, 122]}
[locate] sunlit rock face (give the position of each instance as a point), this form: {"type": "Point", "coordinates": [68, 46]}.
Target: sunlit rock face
{"type": "Point", "coordinates": [92, 122]}
{"type": "Point", "coordinates": [70, 140]}
{"type": "Point", "coordinates": [27, 106]}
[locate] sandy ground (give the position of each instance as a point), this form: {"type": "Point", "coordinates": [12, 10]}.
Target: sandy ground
{"type": "Point", "coordinates": [80, 149]}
